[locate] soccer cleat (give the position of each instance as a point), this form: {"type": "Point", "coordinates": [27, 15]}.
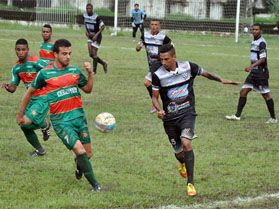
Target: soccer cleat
{"type": "Point", "coordinates": [182, 170]}
{"type": "Point", "coordinates": [191, 191]}
{"type": "Point", "coordinates": [46, 131]}
{"type": "Point", "coordinates": [195, 136]}
{"type": "Point", "coordinates": [105, 66]}
{"type": "Point", "coordinates": [78, 174]}
{"type": "Point", "coordinates": [153, 109]}
{"type": "Point", "coordinates": [37, 153]}
{"type": "Point", "coordinates": [96, 188]}
{"type": "Point", "coordinates": [271, 120]}
{"type": "Point", "coordinates": [232, 117]}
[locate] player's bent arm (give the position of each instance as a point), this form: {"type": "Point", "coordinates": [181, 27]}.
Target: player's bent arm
{"type": "Point", "coordinates": [89, 85]}
{"type": "Point", "coordinates": [255, 64]}
{"type": "Point", "coordinates": [25, 101]}
{"type": "Point", "coordinates": [9, 87]}
{"type": "Point", "coordinates": [156, 104]}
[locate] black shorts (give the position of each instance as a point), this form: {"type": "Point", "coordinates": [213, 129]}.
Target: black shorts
{"type": "Point", "coordinates": [255, 81]}
{"type": "Point", "coordinates": [182, 127]}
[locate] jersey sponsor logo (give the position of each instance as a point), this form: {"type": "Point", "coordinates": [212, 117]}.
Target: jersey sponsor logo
{"type": "Point", "coordinates": [51, 72]}
{"type": "Point", "coordinates": [72, 69]}
{"type": "Point", "coordinates": [64, 92]}
{"type": "Point", "coordinates": [178, 92]}
{"type": "Point", "coordinates": [174, 108]}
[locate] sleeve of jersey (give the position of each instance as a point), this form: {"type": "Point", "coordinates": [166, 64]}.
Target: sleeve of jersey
{"type": "Point", "coordinates": [262, 48]}
{"type": "Point", "coordinates": [166, 40]}
{"type": "Point", "coordinates": [100, 22]}
{"type": "Point", "coordinates": [15, 78]}
{"type": "Point", "coordinates": [195, 69]}
{"type": "Point", "coordinates": [82, 80]}
{"type": "Point", "coordinates": [155, 82]}
{"type": "Point", "coordinates": [40, 64]}
{"type": "Point", "coordinates": [39, 81]}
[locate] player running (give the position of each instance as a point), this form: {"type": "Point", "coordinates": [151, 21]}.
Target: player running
{"type": "Point", "coordinates": [137, 18]}
{"type": "Point", "coordinates": [94, 26]}
{"type": "Point", "coordinates": [173, 81]}
{"type": "Point", "coordinates": [25, 70]}
{"type": "Point", "coordinates": [152, 40]}
{"type": "Point", "coordinates": [62, 82]}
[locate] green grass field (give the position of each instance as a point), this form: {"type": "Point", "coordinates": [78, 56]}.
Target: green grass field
{"type": "Point", "coordinates": [135, 164]}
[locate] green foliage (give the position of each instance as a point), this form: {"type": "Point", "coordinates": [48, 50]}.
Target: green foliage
{"type": "Point", "coordinates": [273, 6]}
{"type": "Point", "coordinates": [135, 163]}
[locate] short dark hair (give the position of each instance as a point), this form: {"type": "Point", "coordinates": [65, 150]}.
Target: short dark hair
{"type": "Point", "coordinates": [21, 41]}
{"type": "Point", "coordinates": [61, 43]}
{"type": "Point", "coordinates": [258, 24]}
{"type": "Point", "coordinates": [89, 4]}
{"type": "Point", "coordinates": [47, 26]}
{"type": "Point", "coordinates": [167, 48]}
{"type": "Point", "coordinates": [155, 19]}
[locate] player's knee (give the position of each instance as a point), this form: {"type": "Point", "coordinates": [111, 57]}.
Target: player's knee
{"type": "Point", "coordinates": [187, 144]}
{"type": "Point", "coordinates": [78, 148]}
{"type": "Point", "coordinates": [179, 156]}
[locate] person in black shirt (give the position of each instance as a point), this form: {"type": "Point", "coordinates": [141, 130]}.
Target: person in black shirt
{"type": "Point", "coordinates": [94, 27]}
{"type": "Point", "coordinates": [258, 76]}
{"type": "Point", "coordinates": [173, 82]}
{"type": "Point", "coordinates": [152, 40]}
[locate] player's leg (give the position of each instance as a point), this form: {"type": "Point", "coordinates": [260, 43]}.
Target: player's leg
{"type": "Point", "coordinates": [95, 46]}
{"type": "Point", "coordinates": [174, 138]}
{"type": "Point", "coordinates": [135, 29]}
{"type": "Point", "coordinates": [187, 125]}
{"type": "Point", "coordinates": [32, 138]}
{"type": "Point", "coordinates": [92, 54]}
{"type": "Point", "coordinates": [86, 141]}
{"type": "Point", "coordinates": [241, 103]}
{"type": "Point", "coordinates": [270, 106]}
{"type": "Point", "coordinates": [142, 29]}
{"type": "Point", "coordinates": [68, 133]}
{"type": "Point", "coordinates": [242, 100]}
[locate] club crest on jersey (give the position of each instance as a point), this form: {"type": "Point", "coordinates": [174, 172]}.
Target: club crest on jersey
{"type": "Point", "coordinates": [34, 112]}
{"type": "Point", "coordinates": [29, 74]}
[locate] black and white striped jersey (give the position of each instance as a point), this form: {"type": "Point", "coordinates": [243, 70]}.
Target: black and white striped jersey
{"type": "Point", "coordinates": [152, 44]}
{"type": "Point", "coordinates": [92, 23]}
{"type": "Point", "coordinates": [176, 88]}
{"type": "Point", "coordinates": [258, 50]}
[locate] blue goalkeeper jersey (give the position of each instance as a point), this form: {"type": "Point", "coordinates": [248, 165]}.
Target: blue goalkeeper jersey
{"type": "Point", "coordinates": [137, 16]}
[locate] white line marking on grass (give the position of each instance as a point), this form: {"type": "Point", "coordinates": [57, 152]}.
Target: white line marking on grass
{"type": "Point", "coordinates": [240, 201]}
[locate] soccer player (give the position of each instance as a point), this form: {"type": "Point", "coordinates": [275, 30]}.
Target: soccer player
{"type": "Point", "coordinates": [94, 26]}
{"type": "Point", "coordinates": [25, 70]}
{"type": "Point", "coordinates": [173, 81]}
{"type": "Point", "coordinates": [46, 48]}
{"type": "Point", "coordinates": [152, 40]}
{"type": "Point", "coordinates": [258, 76]}
{"type": "Point", "coordinates": [62, 82]}
{"type": "Point", "coordinates": [137, 18]}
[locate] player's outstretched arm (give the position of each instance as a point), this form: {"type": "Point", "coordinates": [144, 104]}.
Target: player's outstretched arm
{"type": "Point", "coordinates": [9, 87]}
{"type": "Point", "coordinates": [214, 77]}
{"type": "Point", "coordinates": [89, 86]}
{"type": "Point", "coordinates": [25, 101]}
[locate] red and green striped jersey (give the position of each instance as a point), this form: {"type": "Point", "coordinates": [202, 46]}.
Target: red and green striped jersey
{"type": "Point", "coordinates": [46, 51]}
{"type": "Point", "coordinates": [62, 87]}
{"type": "Point", "coordinates": [26, 72]}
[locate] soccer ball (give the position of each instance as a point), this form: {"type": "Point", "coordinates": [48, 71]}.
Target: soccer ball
{"type": "Point", "coordinates": [105, 122]}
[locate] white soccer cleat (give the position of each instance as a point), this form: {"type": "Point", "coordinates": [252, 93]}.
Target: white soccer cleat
{"type": "Point", "coordinates": [232, 117]}
{"type": "Point", "coordinates": [271, 120]}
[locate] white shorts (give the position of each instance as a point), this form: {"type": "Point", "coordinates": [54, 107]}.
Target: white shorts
{"type": "Point", "coordinates": [94, 43]}
{"type": "Point", "coordinates": [259, 89]}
